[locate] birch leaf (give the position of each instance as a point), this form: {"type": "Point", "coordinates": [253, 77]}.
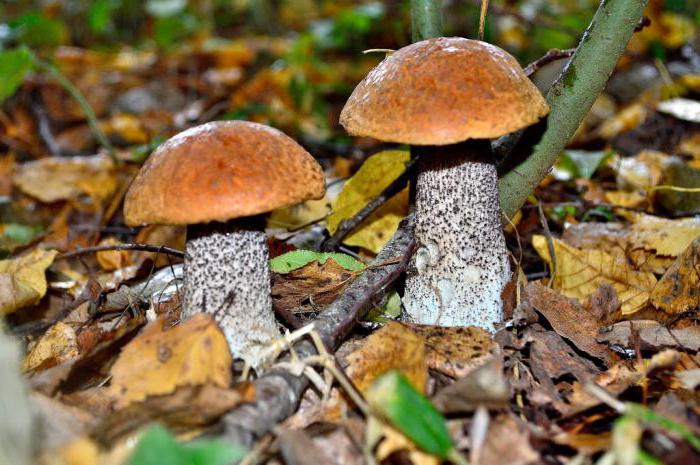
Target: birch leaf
{"type": "Point", "coordinates": [580, 272]}
{"type": "Point", "coordinates": [22, 279]}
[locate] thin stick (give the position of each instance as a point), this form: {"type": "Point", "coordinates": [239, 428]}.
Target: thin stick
{"type": "Point", "coordinates": [139, 247]}
{"type": "Point", "coordinates": [349, 225]}
{"type": "Point", "coordinates": [482, 18]}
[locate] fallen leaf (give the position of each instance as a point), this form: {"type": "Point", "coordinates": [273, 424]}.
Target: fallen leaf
{"type": "Point", "coordinates": [485, 386]}
{"type": "Point", "coordinates": [568, 319]}
{"type": "Point", "coordinates": [678, 290]}
{"type": "Point", "coordinates": [307, 288]}
{"type": "Point", "coordinates": [111, 260]}
{"type": "Point", "coordinates": [456, 351]}
{"type": "Point", "coordinates": [625, 120]}
{"type": "Point", "coordinates": [580, 272]}
{"type": "Point", "coordinates": [507, 443]}
{"type": "Point", "coordinates": [375, 174]}
{"type": "Point", "coordinates": [681, 108]}
{"type": "Point", "coordinates": [395, 346]}
{"type": "Point", "coordinates": [59, 344]}
{"type": "Point", "coordinates": [299, 215]}
{"type": "Point", "coordinates": [22, 279]}
{"type": "Point", "coordinates": [7, 168]}
{"type": "Point", "coordinates": [160, 359]}
{"type": "Point", "coordinates": [642, 171]}
{"type": "Point", "coordinates": [650, 335]}
{"type": "Point", "coordinates": [184, 408]}
{"type": "Point", "coordinates": [53, 179]}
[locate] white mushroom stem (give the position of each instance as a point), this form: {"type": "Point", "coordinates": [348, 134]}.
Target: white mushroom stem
{"type": "Point", "coordinates": [461, 264]}
{"type": "Point", "coordinates": [227, 275]}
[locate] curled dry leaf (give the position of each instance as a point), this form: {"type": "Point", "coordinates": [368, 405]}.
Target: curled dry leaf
{"type": "Point", "coordinates": [568, 318]}
{"type": "Point", "coordinates": [580, 272]}
{"type": "Point", "coordinates": [306, 288]}
{"type": "Point", "coordinates": [22, 279]}
{"type": "Point", "coordinates": [650, 335]}
{"type": "Point", "coordinates": [59, 344]}
{"type": "Point", "coordinates": [507, 443]}
{"type": "Point", "coordinates": [376, 173]}
{"type": "Point", "coordinates": [53, 179]}
{"type": "Point", "coordinates": [678, 290]}
{"type": "Point", "coordinates": [160, 359]}
{"type": "Point", "coordinates": [485, 386]}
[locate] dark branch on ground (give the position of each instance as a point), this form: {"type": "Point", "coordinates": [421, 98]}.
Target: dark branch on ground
{"type": "Point", "coordinates": [347, 226]}
{"type": "Point", "coordinates": [139, 247]}
{"type": "Point", "coordinates": [279, 392]}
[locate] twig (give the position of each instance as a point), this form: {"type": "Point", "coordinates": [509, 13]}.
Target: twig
{"type": "Point", "coordinates": [139, 247]}
{"type": "Point", "coordinates": [44, 127]}
{"type": "Point", "coordinates": [482, 18]}
{"type": "Point", "coordinates": [553, 54]}
{"type": "Point", "coordinates": [74, 92]}
{"type": "Point", "coordinates": [278, 391]}
{"type": "Point", "coordinates": [347, 226]}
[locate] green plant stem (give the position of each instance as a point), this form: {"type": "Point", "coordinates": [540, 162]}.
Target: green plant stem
{"type": "Point", "coordinates": [572, 96]}
{"type": "Point", "coordinates": [74, 92]}
{"type": "Point", "coordinates": [426, 19]}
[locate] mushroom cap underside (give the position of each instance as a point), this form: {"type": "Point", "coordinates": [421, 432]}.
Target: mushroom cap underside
{"type": "Point", "coordinates": [443, 91]}
{"type": "Point", "coordinates": [220, 171]}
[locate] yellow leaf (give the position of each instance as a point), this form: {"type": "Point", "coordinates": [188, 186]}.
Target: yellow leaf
{"type": "Point", "coordinates": [394, 347]}
{"type": "Point", "coordinates": [579, 273]}
{"type": "Point", "coordinates": [677, 290]}
{"type": "Point", "coordinates": [53, 179]}
{"type": "Point", "coordinates": [377, 172]}
{"type": "Point", "coordinates": [57, 345]}
{"type": "Point", "coordinates": [111, 260]}
{"type": "Point", "coordinates": [663, 236]}
{"type": "Point", "coordinates": [299, 215]}
{"type": "Point", "coordinates": [22, 280]}
{"type": "Point", "coordinates": [161, 358]}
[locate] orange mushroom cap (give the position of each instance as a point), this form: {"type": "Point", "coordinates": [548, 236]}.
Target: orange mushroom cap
{"type": "Point", "coordinates": [220, 171]}
{"type": "Point", "coordinates": [443, 91]}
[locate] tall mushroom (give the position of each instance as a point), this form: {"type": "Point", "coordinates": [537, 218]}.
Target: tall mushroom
{"type": "Point", "coordinates": [218, 178]}
{"type": "Point", "coordinates": [447, 97]}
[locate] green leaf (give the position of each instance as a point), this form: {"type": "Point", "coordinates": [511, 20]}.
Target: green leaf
{"type": "Point", "coordinates": [297, 258]}
{"type": "Point", "coordinates": [15, 64]}
{"type": "Point", "coordinates": [645, 414]}
{"type": "Point", "coordinates": [100, 15]}
{"type": "Point", "coordinates": [582, 163]}
{"type": "Point", "coordinates": [35, 29]}
{"type": "Point", "coordinates": [391, 310]}
{"type": "Point", "coordinates": [157, 446]}
{"type": "Point", "coordinates": [169, 30]}
{"type": "Point", "coordinates": [395, 400]}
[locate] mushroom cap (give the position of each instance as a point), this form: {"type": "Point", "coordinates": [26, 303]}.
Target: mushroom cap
{"type": "Point", "coordinates": [219, 171]}
{"type": "Point", "coordinates": [443, 91]}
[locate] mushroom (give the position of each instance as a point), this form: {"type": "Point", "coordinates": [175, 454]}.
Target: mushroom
{"type": "Point", "coordinates": [447, 97]}
{"type": "Point", "coordinates": [218, 178]}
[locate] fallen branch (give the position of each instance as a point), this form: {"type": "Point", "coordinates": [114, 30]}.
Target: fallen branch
{"type": "Point", "coordinates": [139, 247]}
{"type": "Point", "coordinates": [278, 392]}
{"type": "Point", "coordinates": [349, 225]}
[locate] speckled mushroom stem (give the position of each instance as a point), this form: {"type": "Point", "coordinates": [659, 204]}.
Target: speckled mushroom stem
{"type": "Point", "coordinates": [461, 265]}
{"type": "Point", "coordinates": [227, 275]}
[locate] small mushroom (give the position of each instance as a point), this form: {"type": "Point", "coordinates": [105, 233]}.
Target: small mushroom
{"type": "Point", "coordinates": [219, 178]}
{"type": "Point", "coordinates": [447, 97]}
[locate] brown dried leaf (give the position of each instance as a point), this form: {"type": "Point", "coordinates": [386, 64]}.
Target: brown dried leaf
{"type": "Point", "coordinates": [507, 443]}
{"type": "Point", "coordinates": [650, 335]}
{"type": "Point", "coordinates": [485, 386]}
{"type": "Point", "coordinates": [308, 287]}
{"type": "Point", "coordinates": [395, 346]}
{"type": "Point", "coordinates": [678, 290]}
{"type": "Point", "coordinates": [456, 351]}
{"type": "Point", "coordinates": [161, 359]}
{"type": "Point", "coordinates": [185, 407]}
{"type": "Point", "coordinates": [568, 318]}
{"type": "Point", "coordinates": [580, 272]}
